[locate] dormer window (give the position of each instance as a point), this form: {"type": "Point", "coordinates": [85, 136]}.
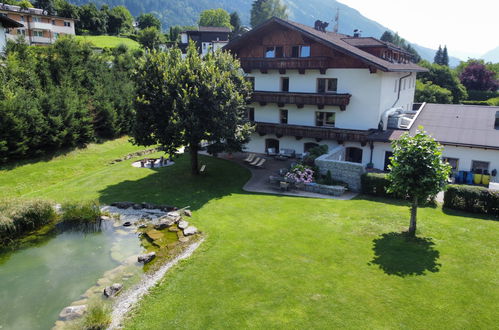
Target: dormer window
{"type": "Point", "coordinates": [274, 52]}
{"type": "Point", "coordinates": [300, 51]}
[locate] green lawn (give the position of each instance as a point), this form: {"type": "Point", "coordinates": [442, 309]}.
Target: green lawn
{"type": "Point", "coordinates": [285, 262]}
{"type": "Point", "coordinates": [110, 41]}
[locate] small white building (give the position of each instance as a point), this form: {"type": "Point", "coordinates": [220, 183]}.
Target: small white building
{"type": "Point", "coordinates": [314, 87]}
{"type": "Point", "coordinates": [6, 23]}
{"type": "Point", "coordinates": [207, 38]}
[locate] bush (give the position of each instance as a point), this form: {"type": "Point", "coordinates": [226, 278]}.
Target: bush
{"type": "Point", "coordinates": [375, 184]}
{"type": "Point", "coordinates": [486, 103]}
{"type": "Point", "coordinates": [81, 212]}
{"type": "Point", "coordinates": [19, 217]}
{"type": "Point", "coordinates": [481, 95]}
{"type": "Point", "coordinates": [314, 153]}
{"type": "Point", "coordinates": [97, 317]}
{"type": "Point", "coordinates": [472, 199]}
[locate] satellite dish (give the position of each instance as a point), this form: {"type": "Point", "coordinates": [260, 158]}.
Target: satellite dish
{"type": "Point", "coordinates": [45, 12]}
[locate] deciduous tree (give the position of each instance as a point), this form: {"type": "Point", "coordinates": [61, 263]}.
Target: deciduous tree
{"type": "Point", "coordinates": [181, 102]}
{"type": "Point", "coordinates": [417, 171]}
{"type": "Point", "coordinates": [150, 38]}
{"type": "Point", "coordinates": [431, 93]}
{"type": "Point", "coordinates": [148, 20]}
{"type": "Point", "coordinates": [476, 76]}
{"type": "Point", "coordinates": [443, 76]}
{"type": "Point", "coordinates": [262, 10]}
{"type": "Point", "coordinates": [215, 17]}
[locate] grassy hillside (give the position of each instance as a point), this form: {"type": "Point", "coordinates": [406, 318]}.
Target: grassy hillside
{"type": "Point", "coordinates": [110, 41]}
{"type": "Point", "coordinates": [285, 262]}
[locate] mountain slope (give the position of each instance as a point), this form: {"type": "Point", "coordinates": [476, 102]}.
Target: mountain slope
{"type": "Point", "coordinates": [186, 12]}
{"type": "Point", "coordinates": [492, 55]}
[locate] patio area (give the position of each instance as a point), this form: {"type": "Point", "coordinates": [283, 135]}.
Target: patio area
{"type": "Point", "coordinates": [259, 181]}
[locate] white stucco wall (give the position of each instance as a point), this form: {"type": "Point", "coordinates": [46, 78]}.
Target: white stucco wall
{"type": "Point", "coordinates": [3, 38]}
{"type": "Point", "coordinates": [372, 94]}
{"type": "Point", "coordinates": [465, 155]}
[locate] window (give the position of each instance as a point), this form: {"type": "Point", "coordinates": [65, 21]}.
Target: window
{"type": "Point", "coordinates": [327, 85]}
{"type": "Point", "coordinates": [53, 22]}
{"type": "Point", "coordinates": [67, 24]}
{"type": "Point", "coordinates": [37, 33]}
{"type": "Point", "coordinates": [251, 80]}
{"type": "Point", "coordinates": [21, 32]}
{"type": "Point", "coordinates": [274, 52]}
{"type": "Point", "coordinates": [37, 19]}
{"type": "Point", "coordinates": [496, 124]}
{"type": "Point", "coordinates": [479, 165]}
{"type": "Point", "coordinates": [324, 119]}
{"type": "Point", "coordinates": [453, 162]}
{"type": "Point", "coordinates": [22, 18]}
{"type": "Point", "coordinates": [300, 51]}
{"type": "Point", "coordinates": [284, 84]}
{"type": "Point", "coordinates": [56, 35]}
{"type": "Point", "coordinates": [283, 116]}
{"type": "Point", "coordinates": [250, 113]}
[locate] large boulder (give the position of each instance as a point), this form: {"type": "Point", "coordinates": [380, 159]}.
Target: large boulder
{"type": "Point", "coordinates": [183, 224]}
{"type": "Point", "coordinates": [164, 222]}
{"type": "Point", "coordinates": [188, 213]}
{"type": "Point", "coordinates": [112, 290]}
{"type": "Point", "coordinates": [191, 230]}
{"type": "Point", "coordinates": [72, 312]}
{"type": "Point", "coordinates": [145, 258]}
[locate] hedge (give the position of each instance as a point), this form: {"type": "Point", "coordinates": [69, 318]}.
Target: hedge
{"type": "Point", "coordinates": [481, 95]}
{"type": "Point", "coordinates": [472, 199]}
{"type": "Point", "coordinates": [375, 184]}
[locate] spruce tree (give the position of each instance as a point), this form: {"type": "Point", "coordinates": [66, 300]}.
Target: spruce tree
{"type": "Point", "coordinates": [438, 56]}
{"type": "Point", "coordinates": [445, 57]}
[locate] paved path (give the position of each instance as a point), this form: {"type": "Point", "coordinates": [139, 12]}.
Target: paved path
{"type": "Point", "coordinates": [259, 179]}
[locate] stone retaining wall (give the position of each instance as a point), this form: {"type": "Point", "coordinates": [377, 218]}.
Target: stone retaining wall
{"type": "Point", "coordinates": [347, 172]}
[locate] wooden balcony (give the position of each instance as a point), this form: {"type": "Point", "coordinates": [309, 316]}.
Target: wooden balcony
{"type": "Point", "coordinates": [283, 64]}
{"type": "Point", "coordinates": [300, 99]}
{"type": "Point", "coordinates": [318, 133]}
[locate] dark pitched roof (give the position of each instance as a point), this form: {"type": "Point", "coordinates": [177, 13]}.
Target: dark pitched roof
{"type": "Point", "coordinates": [333, 40]}
{"type": "Point", "coordinates": [211, 29]}
{"type": "Point", "coordinates": [9, 23]}
{"type": "Point", "coordinates": [372, 42]}
{"type": "Point", "coordinates": [460, 125]}
{"type": "Point", "coordinates": [452, 124]}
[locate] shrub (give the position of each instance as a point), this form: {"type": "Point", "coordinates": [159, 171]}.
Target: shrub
{"type": "Point", "coordinates": [314, 153]}
{"type": "Point", "coordinates": [300, 173]}
{"type": "Point", "coordinates": [81, 212]}
{"type": "Point", "coordinates": [486, 103]}
{"type": "Point", "coordinates": [18, 217]}
{"type": "Point", "coordinates": [375, 184]}
{"type": "Point", "coordinates": [97, 317]}
{"type": "Point", "coordinates": [472, 199]}
{"type": "Point", "coordinates": [481, 95]}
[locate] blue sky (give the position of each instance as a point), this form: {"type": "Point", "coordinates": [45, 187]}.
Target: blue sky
{"type": "Point", "coordinates": [469, 28]}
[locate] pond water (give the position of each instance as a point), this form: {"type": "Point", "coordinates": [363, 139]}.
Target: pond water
{"type": "Point", "coordinates": [38, 281]}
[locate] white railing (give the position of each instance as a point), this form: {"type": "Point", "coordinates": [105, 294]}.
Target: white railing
{"type": "Point", "coordinates": [41, 40]}
{"type": "Point", "coordinates": [41, 26]}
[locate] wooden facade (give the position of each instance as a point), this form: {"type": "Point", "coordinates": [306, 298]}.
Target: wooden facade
{"type": "Point", "coordinates": [252, 55]}
{"type": "Point", "coordinates": [301, 99]}
{"type": "Point", "coordinates": [318, 133]}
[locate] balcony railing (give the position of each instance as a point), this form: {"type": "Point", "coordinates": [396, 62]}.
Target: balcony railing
{"type": "Point", "coordinates": [283, 64]}
{"type": "Point", "coordinates": [301, 99]}
{"type": "Point", "coordinates": [319, 133]}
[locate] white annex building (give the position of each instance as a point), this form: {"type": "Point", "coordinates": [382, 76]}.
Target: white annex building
{"type": "Point", "coordinates": [313, 87]}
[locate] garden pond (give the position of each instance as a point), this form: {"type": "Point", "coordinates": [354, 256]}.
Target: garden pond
{"type": "Point", "coordinates": [62, 267]}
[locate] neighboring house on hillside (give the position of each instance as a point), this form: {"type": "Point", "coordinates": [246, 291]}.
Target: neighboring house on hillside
{"type": "Point", "coordinates": [6, 23]}
{"type": "Point", "coordinates": [207, 38]}
{"type": "Point", "coordinates": [352, 93]}
{"type": "Point", "coordinates": [38, 27]}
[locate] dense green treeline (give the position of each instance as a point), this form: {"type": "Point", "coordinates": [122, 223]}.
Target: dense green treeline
{"type": "Point", "coordinates": [62, 96]}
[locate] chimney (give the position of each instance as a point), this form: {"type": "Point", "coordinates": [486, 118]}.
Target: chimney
{"type": "Point", "coordinates": [356, 33]}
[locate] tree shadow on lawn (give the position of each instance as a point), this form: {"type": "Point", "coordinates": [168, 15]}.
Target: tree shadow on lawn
{"type": "Point", "coordinates": [401, 255]}
{"type": "Point", "coordinates": [464, 214]}
{"type": "Point", "coordinates": [393, 201]}
{"type": "Point", "coordinates": [175, 185]}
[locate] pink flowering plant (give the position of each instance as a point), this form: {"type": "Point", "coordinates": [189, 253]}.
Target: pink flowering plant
{"type": "Point", "coordinates": [300, 174]}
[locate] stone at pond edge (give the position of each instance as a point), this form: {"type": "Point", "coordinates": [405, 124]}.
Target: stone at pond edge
{"type": "Point", "coordinates": [123, 205]}
{"type": "Point", "coordinates": [183, 224]}
{"type": "Point", "coordinates": [191, 230]}
{"type": "Point", "coordinates": [145, 258]}
{"type": "Point", "coordinates": [154, 234]}
{"type": "Point", "coordinates": [164, 222]}
{"type": "Point", "coordinates": [72, 312]}
{"type": "Point", "coordinates": [188, 213]}
{"type": "Point", "coordinates": [112, 290]}
{"type": "Point", "coordinates": [105, 218]}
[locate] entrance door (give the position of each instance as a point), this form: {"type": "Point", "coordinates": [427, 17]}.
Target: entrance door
{"type": "Point", "coordinates": [353, 155]}
{"type": "Point", "coordinates": [388, 154]}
